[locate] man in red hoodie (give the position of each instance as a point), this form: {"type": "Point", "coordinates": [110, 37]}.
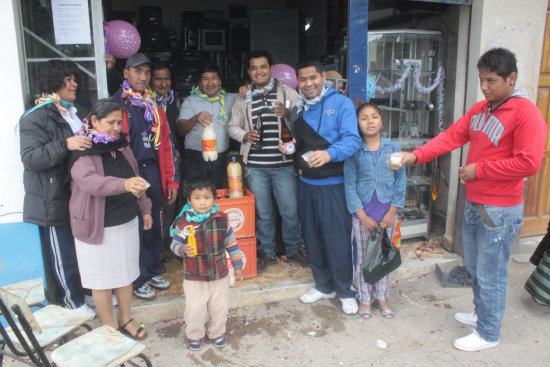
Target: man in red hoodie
{"type": "Point", "coordinates": [507, 135]}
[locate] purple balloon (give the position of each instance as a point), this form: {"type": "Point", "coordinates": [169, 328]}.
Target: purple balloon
{"type": "Point", "coordinates": [286, 73]}
{"type": "Point", "coordinates": [124, 39]}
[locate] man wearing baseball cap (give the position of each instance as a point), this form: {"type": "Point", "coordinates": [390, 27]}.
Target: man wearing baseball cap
{"type": "Point", "coordinates": [149, 137]}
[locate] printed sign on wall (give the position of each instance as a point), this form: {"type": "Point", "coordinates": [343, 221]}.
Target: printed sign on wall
{"type": "Point", "coordinates": [71, 22]}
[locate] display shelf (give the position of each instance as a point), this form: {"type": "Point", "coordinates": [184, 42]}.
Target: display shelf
{"type": "Point", "coordinates": [409, 116]}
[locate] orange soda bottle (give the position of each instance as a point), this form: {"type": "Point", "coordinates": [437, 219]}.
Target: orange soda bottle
{"type": "Point", "coordinates": [397, 234]}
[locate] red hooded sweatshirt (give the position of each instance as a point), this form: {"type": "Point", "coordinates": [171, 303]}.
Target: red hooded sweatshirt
{"type": "Point", "coordinates": [506, 144]}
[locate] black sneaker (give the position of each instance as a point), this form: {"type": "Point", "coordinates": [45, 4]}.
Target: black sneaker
{"type": "Point", "coordinates": [263, 262]}
{"type": "Point", "coordinates": [158, 282]}
{"type": "Point", "coordinates": [299, 258]}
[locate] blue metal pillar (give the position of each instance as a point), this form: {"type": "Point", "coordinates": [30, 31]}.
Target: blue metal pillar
{"type": "Point", "coordinates": [357, 48]}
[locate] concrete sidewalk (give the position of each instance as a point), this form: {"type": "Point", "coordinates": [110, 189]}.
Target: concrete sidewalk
{"type": "Point", "coordinates": [268, 326]}
{"type": "Point", "coordinates": [289, 333]}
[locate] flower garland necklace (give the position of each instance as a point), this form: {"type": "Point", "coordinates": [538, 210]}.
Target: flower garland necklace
{"type": "Point", "coordinates": [96, 137]}
{"type": "Point", "coordinates": [62, 106]}
{"type": "Point", "coordinates": [144, 100]}
{"type": "Point", "coordinates": [197, 91]}
{"type": "Point", "coordinates": [250, 93]}
{"type": "Point", "coordinates": [304, 103]}
{"type": "Point", "coordinates": [163, 100]}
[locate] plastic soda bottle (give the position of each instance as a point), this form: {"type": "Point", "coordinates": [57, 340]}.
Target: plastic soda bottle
{"type": "Point", "coordinates": [235, 178]}
{"type": "Point", "coordinates": [397, 234]}
{"type": "Point", "coordinates": [192, 240]}
{"type": "Point", "coordinates": [209, 146]}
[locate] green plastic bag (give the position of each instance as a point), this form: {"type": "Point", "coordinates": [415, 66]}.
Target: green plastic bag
{"type": "Point", "coordinates": [381, 257]}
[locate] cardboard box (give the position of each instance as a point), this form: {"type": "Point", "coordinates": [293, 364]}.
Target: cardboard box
{"type": "Point", "coordinates": [241, 212]}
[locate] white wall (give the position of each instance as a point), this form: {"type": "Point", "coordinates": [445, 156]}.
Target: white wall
{"type": "Point", "coordinates": [11, 97]}
{"type": "Point", "coordinates": [518, 26]}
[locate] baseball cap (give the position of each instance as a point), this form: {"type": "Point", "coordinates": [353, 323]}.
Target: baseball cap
{"type": "Point", "coordinates": [136, 60]}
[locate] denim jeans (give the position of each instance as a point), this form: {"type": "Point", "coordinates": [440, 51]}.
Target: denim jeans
{"type": "Point", "coordinates": [486, 255]}
{"type": "Point", "coordinates": [282, 182]}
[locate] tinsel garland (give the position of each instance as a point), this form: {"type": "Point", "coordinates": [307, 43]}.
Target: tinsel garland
{"type": "Point", "coordinates": [438, 83]}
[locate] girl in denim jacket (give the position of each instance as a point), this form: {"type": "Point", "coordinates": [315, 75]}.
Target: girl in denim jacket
{"type": "Point", "coordinates": [374, 192]}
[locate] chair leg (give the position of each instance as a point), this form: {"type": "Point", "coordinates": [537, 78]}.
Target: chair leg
{"type": "Point", "coordinates": [7, 341]}
{"type": "Point", "coordinates": [143, 357]}
{"type": "Point", "coordinates": [28, 330]}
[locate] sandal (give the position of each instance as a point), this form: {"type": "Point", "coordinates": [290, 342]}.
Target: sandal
{"type": "Point", "coordinates": [220, 341]}
{"type": "Point", "coordinates": [388, 314]}
{"type": "Point", "coordinates": [135, 336]}
{"type": "Point", "coordinates": [195, 344]}
{"type": "Point", "coordinates": [364, 313]}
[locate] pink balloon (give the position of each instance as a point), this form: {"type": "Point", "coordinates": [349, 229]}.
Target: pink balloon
{"type": "Point", "coordinates": [124, 39]}
{"type": "Point", "coordinates": [286, 73]}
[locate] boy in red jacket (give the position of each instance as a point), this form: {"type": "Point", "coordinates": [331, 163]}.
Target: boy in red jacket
{"type": "Point", "coordinates": [507, 135]}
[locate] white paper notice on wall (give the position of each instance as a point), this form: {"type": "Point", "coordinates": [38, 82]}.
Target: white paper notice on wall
{"type": "Point", "coordinates": [71, 22]}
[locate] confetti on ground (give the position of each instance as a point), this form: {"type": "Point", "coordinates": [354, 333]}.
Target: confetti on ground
{"type": "Point", "coordinates": [312, 333]}
{"type": "Point", "coordinates": [381, 344]}
{"type": "Point", "coordinates": [428, 249]}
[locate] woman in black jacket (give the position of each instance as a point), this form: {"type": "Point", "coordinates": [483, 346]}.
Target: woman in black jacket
{"type": "Point", "coordinates": [46, 139]}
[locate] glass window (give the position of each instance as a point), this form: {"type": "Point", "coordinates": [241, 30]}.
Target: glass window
{"type": "Point", "coordinates": [40, 47]}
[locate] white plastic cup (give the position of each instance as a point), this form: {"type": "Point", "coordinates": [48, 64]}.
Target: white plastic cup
{"type": "Point", "coordinates": [395, 160]}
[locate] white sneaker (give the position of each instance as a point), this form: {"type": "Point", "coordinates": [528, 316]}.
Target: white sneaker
{"type": "Point", "coordinates": [90, 301]}
{"type": "Point", "coordinates": [473, 342]}
{"type": "Point", "coordinates": [85, 309]}
{"type": "Point", "coordinates": [466, 318]}
{"type": "Point", "coordinates": [349, 306]}
{"type": "Point", "coordinates": [313, 295]}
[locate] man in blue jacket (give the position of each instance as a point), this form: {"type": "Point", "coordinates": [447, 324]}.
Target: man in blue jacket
{"type": "Point", "coordinates": [325, 127]}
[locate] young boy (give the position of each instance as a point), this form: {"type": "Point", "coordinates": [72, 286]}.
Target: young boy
{"type": "Point", "coordinates": [507, 135]}
{"type": "Point", "coordinates": [206, 280]}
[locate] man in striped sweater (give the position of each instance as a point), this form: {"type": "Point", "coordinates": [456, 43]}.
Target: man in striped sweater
{"type": "Point", "coordinates": [256, 123]}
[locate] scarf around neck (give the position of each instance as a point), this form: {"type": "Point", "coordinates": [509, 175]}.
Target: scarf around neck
{"type": "Point", "coordinates": [197, 91]}
{"type": "Point", "coordinates": [255, 92]}
{"type": "Point", "coordinates": [304, 103]}
{"type": "Point", "coordinates": [144, 100]}
{"type": "Point", "coordinates": [191, 215]}
{"type": "Point", "coordinates": [163, 100]}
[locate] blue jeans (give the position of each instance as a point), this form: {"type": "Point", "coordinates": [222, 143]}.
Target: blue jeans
{"type": "Point", "coordinates": [486, 255]}
{"type": "Point", "coordinates": [282, 182]}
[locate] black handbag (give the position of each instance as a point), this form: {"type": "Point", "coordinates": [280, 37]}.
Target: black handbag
{"type": "Point", "coordinates": [381, 257]}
